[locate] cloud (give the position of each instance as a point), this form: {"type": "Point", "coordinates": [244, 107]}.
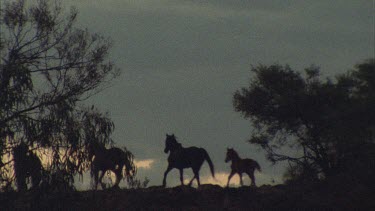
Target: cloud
{"type": "Point", "coordinates": [144, 164]}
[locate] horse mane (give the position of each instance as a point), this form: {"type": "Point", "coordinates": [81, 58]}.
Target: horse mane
{"type": "Point", "coordinates": [175, 142]}
{"type": "Point", "coordinates": [94, 148]}
{"type": "Point", "coordinates": [179, 145]}
{"type": "Point", "coordinates": [234, 152]}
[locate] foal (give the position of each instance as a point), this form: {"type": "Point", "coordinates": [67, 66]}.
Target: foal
{"type": "Point", "coordinates": [240, 166]}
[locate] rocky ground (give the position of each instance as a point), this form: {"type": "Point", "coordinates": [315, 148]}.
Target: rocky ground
{"type": "Point", "coordinates": [207, 197]}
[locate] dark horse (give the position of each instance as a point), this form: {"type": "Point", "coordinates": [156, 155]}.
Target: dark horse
{"type": "Point", "coordinates": [180, 158]}
{"type": "Point", "coordinates": [113, 159]}
{"type": "Point", "coordinates": [26, 164]}
{"type": "Point", "coordinates": [240, 166]}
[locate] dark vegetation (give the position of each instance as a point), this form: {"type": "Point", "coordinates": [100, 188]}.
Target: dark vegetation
{"type": "Point", "coordinates": [323, 128]}
{"type": "Point", "coordinates": [48, 68]}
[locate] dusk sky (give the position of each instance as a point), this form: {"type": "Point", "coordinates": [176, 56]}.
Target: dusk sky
{"type": "Point", "coordinates": [182, 60]}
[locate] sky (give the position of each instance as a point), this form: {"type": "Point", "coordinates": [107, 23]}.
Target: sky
{"type": "Point", "coordinates": [182, 60]}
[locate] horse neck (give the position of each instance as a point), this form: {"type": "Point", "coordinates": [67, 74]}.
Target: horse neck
{"type": "Point", "coordinates": [236, 157]}
{"type": "Point", "coordinates": [20, 152]}
{"type": "Point", "coordinates": [176, 147]}
{"type": "Point", "coordinates": [97, 151]}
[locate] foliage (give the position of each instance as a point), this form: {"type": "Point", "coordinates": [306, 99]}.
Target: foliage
{"type": "Point", "coordinates": [60, 180]}
{"type": "Point", "coordinates": [318, 126]}
{"type": "Point", "coordinates": [137, 183]}
{"type": "Point", "coordinates": [48, 67]}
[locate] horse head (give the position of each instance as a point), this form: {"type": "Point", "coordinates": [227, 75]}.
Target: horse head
{"type": "Point", "coordinates": [90, 150]}
{"type": "Point", "coordinates": [20, 151]}
{"type": "Point", "coordinates": [95, 148]}
{"type": "Point", "coordinates": [171, 143]}
{"type": "Point", "coordinates": [230, 154]}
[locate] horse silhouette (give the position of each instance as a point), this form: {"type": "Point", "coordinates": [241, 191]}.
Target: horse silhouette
{"type": "Point", "coordinates": [26, 164]}
{"type": "Point", "coordinates": [113, 159]}
{"type": "Point", "coordinates": [241, 166]}
{"type": "Point", "coordinates": [181, 158]}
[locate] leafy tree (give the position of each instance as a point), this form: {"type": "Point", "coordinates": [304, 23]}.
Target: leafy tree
{"type": "Point", "coordinates": [48, 68]}
{"type": "Point", "coordinates": [321, 127]}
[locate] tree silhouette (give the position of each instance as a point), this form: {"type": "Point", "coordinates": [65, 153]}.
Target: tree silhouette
{"type": "Point", "coordinates": [319, 126]}
{"type": "Point", "coordinates": [48, 68]}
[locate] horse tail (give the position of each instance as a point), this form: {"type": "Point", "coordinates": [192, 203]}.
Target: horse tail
{"type": "Point", "coordinates": [257, 166]}
{"type": "Point", "coordinates": [208, 159]}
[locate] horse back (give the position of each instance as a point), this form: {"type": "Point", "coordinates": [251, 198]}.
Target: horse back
{"type": "Point", "coordinates": [193, 152]}
{"type": "Point", "coordinates": [186, 157]}
{"type": "Point", "coordinates": [109, 158]}
{"type": "Point", "coordinates": [245, 165]}
{"type": "Point", "coordinates": [116, 155]}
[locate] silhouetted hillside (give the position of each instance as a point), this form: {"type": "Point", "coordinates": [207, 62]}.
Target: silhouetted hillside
{"type": "Point", "coordinates": [207, 197]}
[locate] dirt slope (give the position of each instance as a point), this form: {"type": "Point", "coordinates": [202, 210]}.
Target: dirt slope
{"type": "Point", "coordinates": [207, 197]}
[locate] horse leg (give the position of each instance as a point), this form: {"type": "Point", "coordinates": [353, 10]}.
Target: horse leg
{"type": "Point", "coordinates": [118, 174]}
{"type": "Point", "coordinates": [241, 182]}
{"type": "Point", "coordinates": [101, 179]}
{"type": "Point", "coordinates": [21, 183]}
{"type": "Point", "coordinates": [182, 176]}
{"type": "Point", "coordinates": [35, 179]}
{"type": "Point", "coordinates": [252, 177]}
{"type": "Point", "coordinates": [191, 181]}
{"type": "Point", "coordinates": [229, 177]}
{"type": "Point", "coordinates": [196, 175]}
{"type": "Point", "coordinates": [165, 175]}
{"type": "Point", "coordinates": [95, 173]}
